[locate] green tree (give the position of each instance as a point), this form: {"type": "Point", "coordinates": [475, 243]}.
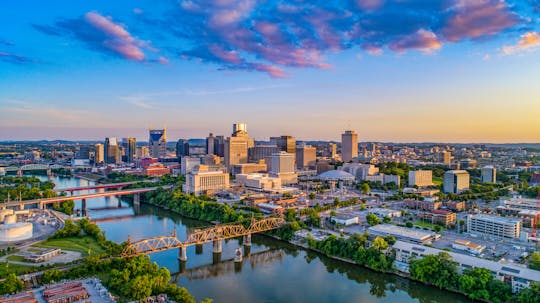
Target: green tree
{"type": "Point", "coordinates": [387, 219]}
{"type": "Point", "coordinates": [530, 294]}
{"type": "Point", "coordinates": [499, 291]}
{"type": "Point", "coordinates": [312, 196]}
{"type": "Point", "coordinates": [379, 244]}
{"type": "Point", "coordinates": [11, 284]}
{"type": "Point", "coordinates": [439, 270]}
{"type": "Point", "coordinates": [364, 188]}
{"type": "Point", "coordinates": [372, 219]}
{"type": "Point", "coordinates": [534, 260]}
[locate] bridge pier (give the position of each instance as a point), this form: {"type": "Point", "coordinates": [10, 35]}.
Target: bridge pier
{"type": "Point", "coordinates": [137, 199]}
{"type": "Point", "coordinates": [217, 246]}
{"type": "Point", "coordinates": [21, 206]}
{"type": "Point", "coordinates": [119, 203]}
{"type": "Point", "coordinates": [48, 172]}
{"type": "Point", "coordinates": [182, 254]}
{"type": "Point", "coordinates": [83, 207]}
{"type": "Point", "coordinates": [198, 249]}
{"type": "Point", "coordinates": [247, 240]}
{"type": "Point", "coordinates": [19, 173]}
{"type": "Point", "coordinates": [247, 251]}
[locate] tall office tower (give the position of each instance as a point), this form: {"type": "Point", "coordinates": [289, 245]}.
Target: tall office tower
{"type": "Point", "coordinates": [143, 152]}
{"type": "Point", "coordinates": [130, 148]}
{"type": "Point", "coordinates": [489, 174]}
{"type": "Point", "coordinates": [236, 151]}
{"type": "Point", "coordinates": [332, 150]}
{"type": "Point", "coordinates": [445, 157]}
{"type": "Point", "coordinates": [83, 153]}
{"type": "Point", "coordinates": [306, 156]}
{"type": "Point", "coordinates": [210, 144]}
{"type": "Point", "coordinates": [182, 148]}
{"type": "Point", "coordinates": [283, 167]}
{"type": "Point", "coordinates": [239, 129]}
{"type": "Point", "coordinates": [157, 142]}
{"type": "Point", "coordinates": [420, 178]}
{"type": "Point", "coordinates": [112, 151]}
{"type": "Point", "coordinates": [349, 145]}
{"type": "Point", "coordinates": [219, 146]}
{"type": "Point", "coordinates": [262, 152]}
{"type": "Point", "coordinates": [456, 181]}
{"type": "Point", "coordinates": [285, 143]}
{"type": "Point", "coordinates": [99, 154]}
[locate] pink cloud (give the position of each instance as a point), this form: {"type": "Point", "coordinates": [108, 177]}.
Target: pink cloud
{"type": "Point", "coordinates": [163, 60]}
{"type": "Point", "coordinates": [369, 5]}
{"type": "Point", "coordinates": [478, 18]}
{"type": "Point", "coordinates": [225, 55]}
{"type": "Point", "coordinates": [118, 39]}
{"type": "Point", "coordinates": [272, 70]}
{"type": "Point", "coordinates": [422, 40]}
{"type": "Point", "coordinates": [528, 41]}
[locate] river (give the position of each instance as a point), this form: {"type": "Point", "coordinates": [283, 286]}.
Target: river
{"type": "Point", "coordinates": [274, 272]}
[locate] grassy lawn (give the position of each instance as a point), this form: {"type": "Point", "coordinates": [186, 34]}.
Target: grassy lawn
{"type": "Point", "coordinates": [14, 268]}
{"type": "Point", "coordinates": [437, 181]}
{"type": "Point", "coordinates": [427, 225]}
{"type": "Point", "coordinates": [16, 258]}
{"type": "Point", "coordinates": [85, 245]}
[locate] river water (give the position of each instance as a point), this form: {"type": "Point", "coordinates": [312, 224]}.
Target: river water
{"type": "Point", "coordinates": [274, 272]}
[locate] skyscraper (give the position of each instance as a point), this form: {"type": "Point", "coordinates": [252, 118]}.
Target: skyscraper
{"type": "Point", "coordinates": [219, 146]}
{"type": "Point", "coordinates": [210, 144]}
{"type": "Point", "coordinates": [84, 152]}
{"type": "Point", "coordinates": [239, 129]}
{"type": "Point", "coordinates": [99, 154]}
{"type": "Point", "coordinates": [349, 145]}
{"type": "Point", "coordinates": [236, 146]}
{"type": "Point", "coordinates": [306, 156]}
{"type": "Point", "coordinates": [445, 157]}
{"type": "Point", "coordinates": [182, 148]}
{"type": "Point", "coordinates": [489, 174]}
{"type": "Point", "coordinates": [112, 151]}
{"type": "Point", "coordinates": [236, 151]}
{"type": "Point", "coordinates": [285, 143]}
{"type": "Point", "coordinates": [130, 148]}
{"type": "Point", "coordinates": [157, 143]}
{"type": "Point", "coordinates": [456, 181]}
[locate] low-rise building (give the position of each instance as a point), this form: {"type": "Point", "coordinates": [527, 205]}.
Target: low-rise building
{"type": "Point", "coordinates": [203, 181]}
{"type": "Point", "coordinates": [455, 205]}
{"type": "Point", "coordinates": [468, 246]}
{"type": "Point", "coordinates": [403, 233]}
{"type": "Point", "coordinates": [439, 216]}
{"type": "Point", "coordinates": [345, 220]}
{"type": "Point", "coordinates": [384, 212]}
{"type": "Point", "coordinates": [259, 181]}
{"type": "Point", "coordinates": [500, 227]}
{"type": "Point", "coordinates": [423, 205]}
{"type": "Point", "coordinates": [518, 277]}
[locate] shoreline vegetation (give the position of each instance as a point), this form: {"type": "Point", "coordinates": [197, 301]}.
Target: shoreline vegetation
{"type": "Point", "coordinates": [130, 279]}
{"type": "Point", "coordinates": [434, 270]}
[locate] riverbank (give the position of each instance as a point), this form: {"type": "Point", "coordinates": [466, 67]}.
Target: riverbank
{"type": "Point", "coordinates": [314, 250]}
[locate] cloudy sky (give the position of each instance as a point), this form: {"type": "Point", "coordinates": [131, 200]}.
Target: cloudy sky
{"type": "Point", "coordinates": [393, 70]}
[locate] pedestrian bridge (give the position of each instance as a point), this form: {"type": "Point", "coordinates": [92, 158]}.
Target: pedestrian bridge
{"type": "Point", "coordinates": [214, 233]}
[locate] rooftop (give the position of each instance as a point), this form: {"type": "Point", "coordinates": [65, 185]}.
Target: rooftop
{"type": "Point", "coordinates": [336, 175]}
{"type": "Point", "coordinates": [401, 232]}
{"type": "Point", "coordinates": [498, 219]}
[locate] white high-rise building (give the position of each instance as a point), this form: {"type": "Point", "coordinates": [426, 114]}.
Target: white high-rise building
{"type": "Point", "coordinates": [420, 178]}
{"type": "Point", "coordinates": [456, 181]}
{"type": "Point", "coordinates": [349, 145]}
{"type": "Point", "coordinates": [203, 181]}
{"type": "Point", "coordinates": [489, 174]}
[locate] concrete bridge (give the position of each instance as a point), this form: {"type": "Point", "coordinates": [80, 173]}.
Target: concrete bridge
{"type": "Point", "coordinates": [41, 203]}
{"type": "Point", "coordinates": [98, 186]}
{"type": "Point", "coordinates": [33, 167]}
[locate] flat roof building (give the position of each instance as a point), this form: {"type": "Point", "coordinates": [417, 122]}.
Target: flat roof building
{"type": "Point", "coordinates": [420, 178]}
{"type": "Point", "coordinates": [500, 227]}
{"type": "Point", "coordinates": [519, 277]}
{"type": "Point", "coordinates": [205, 182]}
{"type": "Point", "coordinates": [403, 233]}
{"type": "Point", "coordinates": [456, 181]}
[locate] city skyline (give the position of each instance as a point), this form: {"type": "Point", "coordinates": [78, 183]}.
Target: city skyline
{"type": "Point", "coordinates": [451, 71]}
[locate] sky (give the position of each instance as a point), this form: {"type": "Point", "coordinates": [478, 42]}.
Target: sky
{"type": "Point", "coordinates": [392, 70]}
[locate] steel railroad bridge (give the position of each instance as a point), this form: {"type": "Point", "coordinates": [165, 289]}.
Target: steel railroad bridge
{"type": "Point", "coordinates": [215, 234]}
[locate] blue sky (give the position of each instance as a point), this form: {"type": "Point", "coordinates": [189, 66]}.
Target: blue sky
{"type": "Point", "coordinates": [393, 70]}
